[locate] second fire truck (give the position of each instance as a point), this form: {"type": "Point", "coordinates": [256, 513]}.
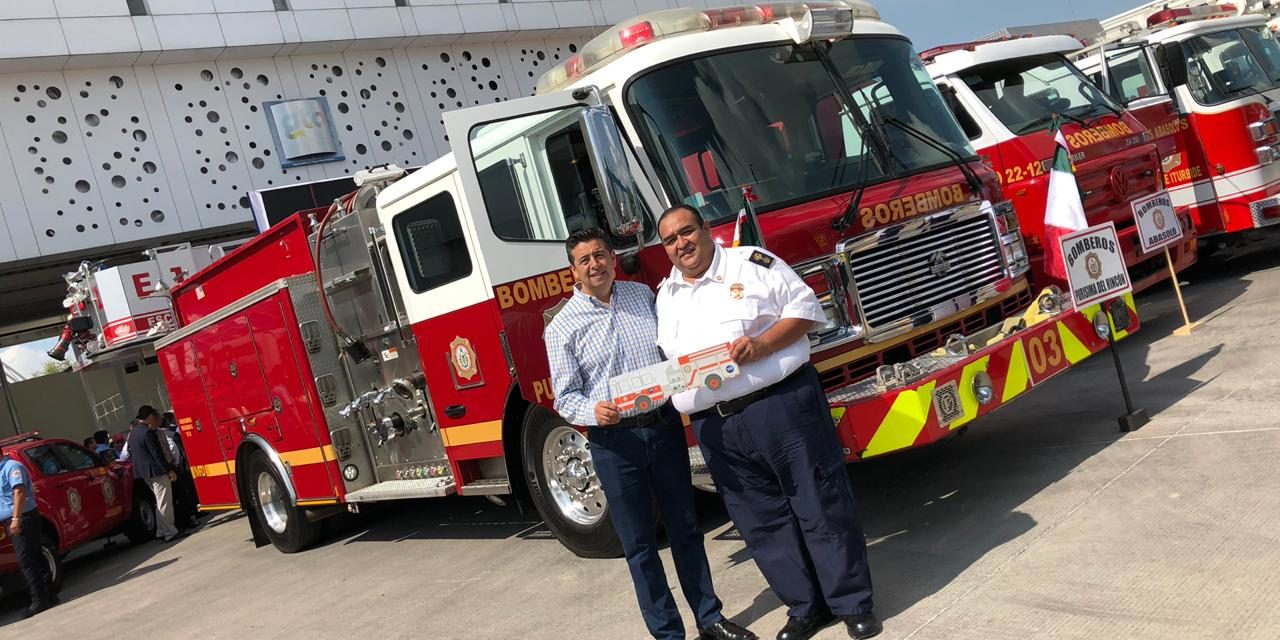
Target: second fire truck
{"type": "Point", "coordinates": [392, 347]}
{"type": "Point", "coordinates": [1006, 95]}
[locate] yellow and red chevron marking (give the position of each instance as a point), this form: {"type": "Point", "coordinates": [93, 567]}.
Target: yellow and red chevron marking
{"type": "Point", "coordinates": [906, 417]}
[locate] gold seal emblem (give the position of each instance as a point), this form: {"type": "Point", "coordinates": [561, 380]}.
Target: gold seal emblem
{"type": "Point", "coordinates": [463, 358]}
{"type": "Point", "coordinates": [108, 491]}
{"type": "Point", "coordinates": [73, 500]}
{"type": "Point", "coordinates": [735, 291]}
{"type": "Point", "coordinates": [1093, 265]}
{"type": "Point", "coordinates": [1158, 219]}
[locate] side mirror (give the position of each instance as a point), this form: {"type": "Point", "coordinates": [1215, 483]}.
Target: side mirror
{"type": "Point", "coordinates": [623, 206]}
{"type": "Point", "coordinates": [1173, 66]}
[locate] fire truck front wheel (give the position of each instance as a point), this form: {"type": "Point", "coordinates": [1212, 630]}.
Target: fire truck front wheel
{"type": "Point", "coordinates": [286, 525]}
{"type": "Point", "coordinates": [565, 488]}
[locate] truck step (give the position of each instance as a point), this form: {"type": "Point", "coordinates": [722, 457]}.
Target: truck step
{"type": "Point", "coordinates": [701, 474]}
{"type": "Point", "coordinates": [486, 487]}
{"type": "Point", "coordinates": [403, 490]}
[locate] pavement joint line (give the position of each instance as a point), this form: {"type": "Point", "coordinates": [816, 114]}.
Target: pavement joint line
{"type": "Point", "coordinates": [1095, 443]}
{"type": "Point", "coordinates": [982, 581]}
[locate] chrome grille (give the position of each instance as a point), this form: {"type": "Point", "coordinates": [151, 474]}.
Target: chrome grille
{"type": "Point", "coordinates": [925, 269]}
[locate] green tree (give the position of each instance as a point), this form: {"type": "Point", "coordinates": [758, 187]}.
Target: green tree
{"type": "Point", "coordinates": [49, 368]}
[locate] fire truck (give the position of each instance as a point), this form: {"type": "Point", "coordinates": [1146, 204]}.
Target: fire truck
{"type": "Point", "coordinates": [391, 346]}
{"type": "Point", "coordinates": [1205, 76]}
{"type": "Point", "coordinates": [1006, 94]}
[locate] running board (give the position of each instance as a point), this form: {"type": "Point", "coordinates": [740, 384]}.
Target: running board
{"type": "Point", "coordinates": [486, 487]}
{"type": "Point", "coordinates": [404, 490]}
{"type": "Point", "coordinates": [701, 474]}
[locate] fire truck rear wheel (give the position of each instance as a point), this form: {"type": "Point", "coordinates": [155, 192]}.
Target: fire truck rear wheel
{"type": "Point", "coordinates": [565, 488]}
{"type": "Point", "coordinates": [286, 525]}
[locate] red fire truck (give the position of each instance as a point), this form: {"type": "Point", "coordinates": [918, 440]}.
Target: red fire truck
{"type": "Point", "coordinates": [1206, 77]}
{"type": "Point", "coordinates": [392, 347]}
{"type": "Point", "coordinates": [1006, 94]}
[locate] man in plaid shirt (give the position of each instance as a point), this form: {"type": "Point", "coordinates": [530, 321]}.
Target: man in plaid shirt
{"type": "Point", "coordinates": [609, 328]}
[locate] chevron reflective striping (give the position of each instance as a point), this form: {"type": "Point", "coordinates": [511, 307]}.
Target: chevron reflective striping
{"type": "Point", "coordinates": [1072, 347]}
{"type": "Point", "coordinates": [967, 400]}
{"type": "Point", "coordinates": [906, 419]}
{"type": "Point", "coordinates": [1015, 381]}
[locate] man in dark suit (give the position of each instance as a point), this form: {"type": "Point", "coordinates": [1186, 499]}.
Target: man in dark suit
{"type": "Point", "coordinates": [151, 465]}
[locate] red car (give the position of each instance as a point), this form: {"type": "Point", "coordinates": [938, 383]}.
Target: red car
{"type": "Point", "coordinates": [81, 499]}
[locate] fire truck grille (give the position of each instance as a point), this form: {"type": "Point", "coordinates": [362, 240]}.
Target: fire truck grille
{"type": "Point", "coordinates": [924, 270]}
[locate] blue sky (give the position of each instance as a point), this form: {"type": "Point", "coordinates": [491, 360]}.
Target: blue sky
{"type": "Point", "coordinates": [933, 22]}
{"type": "Point", "coordinates": [28, 358]}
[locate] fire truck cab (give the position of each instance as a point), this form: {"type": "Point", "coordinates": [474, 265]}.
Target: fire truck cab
{"type": "Point", "coordinates": [1204, 77]}
{"type": "Point", "coordinates": [1006, 94]}
{"type": "Point", "coordinates": [392, 347]}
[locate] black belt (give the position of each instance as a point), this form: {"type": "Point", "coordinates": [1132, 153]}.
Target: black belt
{"type": "Point", "coordinates": [737, 405]}
{"type": "Point", "coordinates": [638, 420]}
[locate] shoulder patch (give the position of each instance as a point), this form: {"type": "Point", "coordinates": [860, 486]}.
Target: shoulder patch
{"type": "Point", "coordinates": [761, 258]}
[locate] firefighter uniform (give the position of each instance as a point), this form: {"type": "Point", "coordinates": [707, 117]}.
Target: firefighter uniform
{"type": "Point", "coordinates": [767, 434]}
{"type": "Point", "coordinates": [26, 543]}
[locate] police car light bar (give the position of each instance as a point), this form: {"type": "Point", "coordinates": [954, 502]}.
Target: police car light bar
{"type": "Point", "coordinates": [1170, 17]}
{"type": "Point", "coordinates": [825, 20]}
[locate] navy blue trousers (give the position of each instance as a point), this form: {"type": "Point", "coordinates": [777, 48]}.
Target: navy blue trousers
{"type": "Point", "coordinates": [638, 466]}
{"type": "Point", "coordinates": [779, 466]}
{"type": "Point", "coordinates": [31, 562]}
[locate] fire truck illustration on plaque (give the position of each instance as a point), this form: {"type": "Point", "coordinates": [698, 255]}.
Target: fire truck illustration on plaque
{"type": "Point", "coordinates": [643, 389]}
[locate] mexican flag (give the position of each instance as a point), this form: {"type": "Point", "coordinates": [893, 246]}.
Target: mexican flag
{"type": "Point", "coordinates": [746, 231]}
{"type": "Point", "coordinates": [1063, 211]}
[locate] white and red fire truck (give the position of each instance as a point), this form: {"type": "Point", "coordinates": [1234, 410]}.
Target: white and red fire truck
{"type": "Point", "coordinates": [392, 347]}
{"type": "Point", "coordinates": [1006, 94]}
{"type": "Point", "coordinates": [1204, 77]}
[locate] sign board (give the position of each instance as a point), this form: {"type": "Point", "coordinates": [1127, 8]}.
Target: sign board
{"type": "Point", "coordinates": [1158, 226]}
{"type": "Point", "coordinates": [1095, 265]}
{"type": "Point", "coordinates": [126, 296]}
{"type": "Point", "coordinates": [303, 131]}
{"type": "Point", "coordinates": [647, 388]}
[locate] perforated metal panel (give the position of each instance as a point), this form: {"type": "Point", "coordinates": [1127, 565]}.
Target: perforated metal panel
{"type": "Point", "coordinates": [247, 84]}
{"type": "Point", "coordinates": [529, 59]}
{"type": "Point", "coordinates": [380, 98]}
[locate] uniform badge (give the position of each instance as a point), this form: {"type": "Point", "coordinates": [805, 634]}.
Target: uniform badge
{"type": "Point", "coordinates": [761, 258]}
{"type": "Point", "coordinates": [735, 291]}
{"type": "Point", "coordinates": [463, 358]}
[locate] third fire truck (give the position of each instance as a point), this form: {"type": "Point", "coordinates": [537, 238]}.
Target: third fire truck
{"type": "Point", "coordinates": [1006, 95]}
{"type": "Point", "coordinates": [392, 347]}
{"type": "Point", "coordinates": [1205, 76]}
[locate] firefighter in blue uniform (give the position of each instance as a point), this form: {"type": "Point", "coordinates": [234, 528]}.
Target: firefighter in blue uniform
{"type": "Point", "coordinates": [767, 433]}
{"type": "Point", "coordinates": [21, 522]}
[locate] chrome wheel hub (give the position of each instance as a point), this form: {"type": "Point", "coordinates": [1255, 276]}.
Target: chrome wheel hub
{"type": "Point", "coordinates": [271, 498]}
{"type": "Point", "coordinates": [571, 477]}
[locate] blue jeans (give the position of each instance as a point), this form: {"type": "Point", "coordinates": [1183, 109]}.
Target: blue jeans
{"type": "Point", "coordinates": [638, 466]}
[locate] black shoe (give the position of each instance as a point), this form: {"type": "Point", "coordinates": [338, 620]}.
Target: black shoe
{"type": "Point", "coordinates": [725, 630]}
{"type": "Point", "coordinates": [35, 608]}
{"type": "Point", "coordinates": [863, 625]}
{"type": "Point", "coordinates": [54, 600]}
{"type": "Point", "coordinates": [803, 627]}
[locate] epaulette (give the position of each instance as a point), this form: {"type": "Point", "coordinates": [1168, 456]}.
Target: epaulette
{"type": "Point", "coordinates": [761, 258]}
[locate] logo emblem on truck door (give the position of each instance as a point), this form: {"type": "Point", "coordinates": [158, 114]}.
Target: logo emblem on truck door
{"type": "Point", "coordinates": [463, 358]}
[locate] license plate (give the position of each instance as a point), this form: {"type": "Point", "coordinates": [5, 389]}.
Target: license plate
{"type": "Point", "coordinates": [946, 403]}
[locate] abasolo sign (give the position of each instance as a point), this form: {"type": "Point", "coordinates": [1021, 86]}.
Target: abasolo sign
{"type": "Point", "coordinates": [1095, 266]}
{"type": "Point", "coordinates": [1158, 226]}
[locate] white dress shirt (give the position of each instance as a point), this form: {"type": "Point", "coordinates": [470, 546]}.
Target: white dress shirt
{"type": "Point", "coordinates": [743, 293]}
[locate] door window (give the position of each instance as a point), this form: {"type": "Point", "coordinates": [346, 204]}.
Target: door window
{"type": "Point", "coordinates": [431, 243]}
{"type": "Point", "coordinates": [45, 460]}
{"type": "Point", "coordinates": [74, 458]}
{"type": "Point", "coordinates": [1131, 75]}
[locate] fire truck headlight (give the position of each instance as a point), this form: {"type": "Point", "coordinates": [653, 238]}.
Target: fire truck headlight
{"type": "Point", "coordinates": [983, 389]}
{"type": "Point", "coordinates": [1102, 325]}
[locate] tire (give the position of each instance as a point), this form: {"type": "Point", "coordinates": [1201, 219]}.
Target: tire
{"type": "Point", "coordinates": [53, 558]}
{"type": "Point", "coordinates": [141, 526]}
{"type": "Point", "coordinates": [286, 525]}
{"type": "Point", "coordinates": [713, 381]}
{"type": "Point", "coordinates": [571, 502]}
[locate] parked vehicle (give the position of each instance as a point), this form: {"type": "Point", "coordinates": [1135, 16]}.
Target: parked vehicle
{"type": "Point", "coordinates": [81, 499]}
{"type": "Point", "coordinates": [1006, 95]}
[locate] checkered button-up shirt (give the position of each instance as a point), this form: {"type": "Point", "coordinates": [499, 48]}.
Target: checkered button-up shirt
{"type": "Point", "coordinates": [589, 342]}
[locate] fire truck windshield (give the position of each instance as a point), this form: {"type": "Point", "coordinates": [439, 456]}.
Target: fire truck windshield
{"type": "Point", "coordinates": [772, 117]}
{"type": "Point", "coordinates": [1024, 93]}
{"type": "Point", "coordinates": [1227, 65]}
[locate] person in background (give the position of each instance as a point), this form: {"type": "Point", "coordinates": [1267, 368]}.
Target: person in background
{"type": "Point", "coordinates": [88, 443]}
{"type": "Point", "coordinates": [151, 464]}
{"type": "Point", "coordinates": [20, 518]}
{"type": "Point", "coordinates": [102, 446]}
{"type": "Point", "coordinates": [184, 493]}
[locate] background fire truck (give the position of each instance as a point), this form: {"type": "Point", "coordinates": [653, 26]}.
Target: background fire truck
{"type": "Point", "coordinates": [1206, 76]}
{"type": "Point", "coordinates": [392, 347]}
{"type": "Point", "coordinates": [1005, 95]}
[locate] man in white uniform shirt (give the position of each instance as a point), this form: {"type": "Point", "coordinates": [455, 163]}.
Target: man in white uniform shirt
{"type": "Point", "coordinates": [767, 434]}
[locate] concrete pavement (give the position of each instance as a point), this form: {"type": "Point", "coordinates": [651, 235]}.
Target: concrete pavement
{"type": "Point", "coordinates": [1042, 522]}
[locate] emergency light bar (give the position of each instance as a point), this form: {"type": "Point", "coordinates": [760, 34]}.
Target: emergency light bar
{"type": "Point", "coordinates": [825, 20]}
{"type": "Point", "coordinates": [1169, 17]}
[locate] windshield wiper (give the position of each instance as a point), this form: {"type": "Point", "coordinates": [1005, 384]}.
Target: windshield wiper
{"type": "Point", "coordinates": [975, 185]}
{"type": "Point", "coordinates": [1046, 119]}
